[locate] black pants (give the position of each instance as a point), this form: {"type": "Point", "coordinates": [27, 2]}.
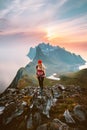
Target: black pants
{"type": "Point", "coordinates": [41, 79]}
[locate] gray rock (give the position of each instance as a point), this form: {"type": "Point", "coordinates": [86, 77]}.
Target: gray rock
{"type": "Point", "coordinates": [68, 117]}
{"type": "Point", "coordinates": [54, 125]}
{"type": "Point", "coordinates": [2, 109]}
{"type": "Point", "coordinates": [18, 112]}
{"type": "Point", "coordinates": [13, 106]}
{"type": "Point", "coordinates": [29, 122]}
{"type": "Point", "coordinates": [36, 119]}
{"type": "Point", "coordinates": [79, 113]}
{"type": "Point", "coordinates": [42, 127]}
{"type": "Point", "coordinates": [62, 126]}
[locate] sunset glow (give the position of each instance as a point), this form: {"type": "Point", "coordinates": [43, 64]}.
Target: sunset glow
{"type": "Point", "coordinates": [60, 22]}
{"type": "Point", "coordinates": [26, 23]}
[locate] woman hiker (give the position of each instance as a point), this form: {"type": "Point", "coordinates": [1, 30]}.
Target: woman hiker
{"type": "Point", "coordinates": [40, 73]}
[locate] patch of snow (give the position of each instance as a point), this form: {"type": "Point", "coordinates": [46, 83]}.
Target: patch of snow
{"type": "Point", "coordinates": [83, 66]}
{"type": "Point", "coordinates": [54, 74]}
{"type": "Point", "coordinates": [52, 77]}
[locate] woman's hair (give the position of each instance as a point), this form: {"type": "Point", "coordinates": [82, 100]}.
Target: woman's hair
{"type": "Point", "coordinates": [43, 66]}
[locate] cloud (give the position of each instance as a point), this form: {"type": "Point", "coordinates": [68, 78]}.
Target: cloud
{"type": "Point", "coordinates": [5, 24]}
{"type": "Point", "coordinates": [20, 11]}
{"type": "Point", "coordinates": [18, 6]}
{"type": "Point", "coordinates": [30, 13]}
{"type": "Point", "coordinates": [12, 57]}
{"type": "Point", "coordinates": [18, 36]}
{"type": "Point", "coordinates": [44, 20]}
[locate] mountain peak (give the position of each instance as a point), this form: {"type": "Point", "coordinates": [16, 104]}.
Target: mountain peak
{"type": "Point", "coordinates": [38, 54]}
{"type": "Point", "coordinates": [57, 59]}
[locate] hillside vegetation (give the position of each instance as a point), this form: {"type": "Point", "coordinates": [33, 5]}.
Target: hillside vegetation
{"type": "Point", "coordinates": [76, 78]}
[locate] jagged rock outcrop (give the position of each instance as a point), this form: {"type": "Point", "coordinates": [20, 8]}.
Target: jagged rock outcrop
{"type": "Point", "coordinates": [26, 109]}
{"type": "Point", "coordinates": [80, 113]}
{"type": "Point", "coordinates": [56, 59]}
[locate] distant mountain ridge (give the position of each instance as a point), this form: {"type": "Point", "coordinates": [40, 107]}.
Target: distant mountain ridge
{"type": "Point", "coordinates": [49, 50]}
{"type": "Point", "coordinates": [56, 59]}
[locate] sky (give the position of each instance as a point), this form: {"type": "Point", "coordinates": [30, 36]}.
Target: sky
{"type": "Point", "coordinates": [26, 23]}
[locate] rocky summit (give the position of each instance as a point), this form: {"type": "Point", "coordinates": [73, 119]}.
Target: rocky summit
{"type": "Point", "coordinates": [54, 57]}
{"type": "Point", "coordinates": [59, 108]}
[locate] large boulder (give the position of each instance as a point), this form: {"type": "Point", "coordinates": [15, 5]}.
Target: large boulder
{"type": "Point", "coordinates": [80, 113]}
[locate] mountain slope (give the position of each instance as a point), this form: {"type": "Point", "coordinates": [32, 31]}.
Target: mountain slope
{"type": "Point", "coordinates": [56, 52]}
{"type": "Point", "coordinates": [21, 79]}
{"type": "Point", "coordinates": [56, 59]}
{"type": "Point", "coordinates": [76, 78]}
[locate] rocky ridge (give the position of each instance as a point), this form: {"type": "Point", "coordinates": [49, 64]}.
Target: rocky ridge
{"type": "Point", "coordinates": [59, 108]}
{"type": "Point", "coordinates": [54, 57]}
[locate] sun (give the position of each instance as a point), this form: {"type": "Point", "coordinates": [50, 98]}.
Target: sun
{"type": "Point", "coordinates": [50, 33]}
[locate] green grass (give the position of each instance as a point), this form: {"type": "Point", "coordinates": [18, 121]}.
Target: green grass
{"type": "Point", "coordinates": [77, 78]}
